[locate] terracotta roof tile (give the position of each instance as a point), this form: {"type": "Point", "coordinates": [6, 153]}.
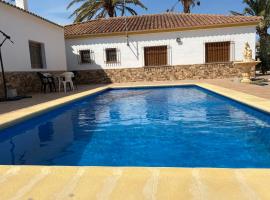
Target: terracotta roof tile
{"type": "Point", "coordinates": [158, 22]}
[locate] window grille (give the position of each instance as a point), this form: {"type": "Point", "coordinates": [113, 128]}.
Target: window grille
{"type": "Point", "coordinates": [112, 56]}
{"type": "Point", "coordinates": [86, 56]}
{"type": "Point", "coordinates": [156, 56]}
{"type": "Point", "coordinates": [217, 52]}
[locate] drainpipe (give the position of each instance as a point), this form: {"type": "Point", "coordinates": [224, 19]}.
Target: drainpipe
{"type": "Point", "coordinates": [126, 23]}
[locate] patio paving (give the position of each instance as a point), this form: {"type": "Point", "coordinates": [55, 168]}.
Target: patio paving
{"type": "Point", "coordinates": [103, 183]}
{"type": "Point", "coordinates": [234, 84]}
{"type": "Point", "coordinates": [38, 98]}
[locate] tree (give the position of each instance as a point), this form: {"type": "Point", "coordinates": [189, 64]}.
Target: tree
{"type": "Point", "coordinates": [260, 8]}
{"type": "Point", "coordinates": [90, 9]}
{"type": "Point", "coordinates": [264, 54]}
{"type": "Point", "coordinates": [187, 4]}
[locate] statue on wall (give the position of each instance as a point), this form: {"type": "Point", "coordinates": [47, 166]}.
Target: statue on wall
{"type": "Point", "coordinates": [247, 53]}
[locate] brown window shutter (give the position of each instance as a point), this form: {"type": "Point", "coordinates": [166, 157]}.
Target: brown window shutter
{"type": "Point", "coordinates": [217, 52]}
{"type": "Point", "coordinates": [156, 56]}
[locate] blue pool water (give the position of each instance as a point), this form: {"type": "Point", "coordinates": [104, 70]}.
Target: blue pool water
{"type": "Point", "coordinates": [164, 127]}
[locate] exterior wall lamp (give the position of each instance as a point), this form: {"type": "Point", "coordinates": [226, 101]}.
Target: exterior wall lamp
{"type": "Point", "coordinates": [179, 40]}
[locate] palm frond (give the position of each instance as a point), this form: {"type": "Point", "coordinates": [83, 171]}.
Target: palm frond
{"type": "Point", "coordinates": [236, 13]}
{"type": "Point", "coordinates": [89, 9]}
{"type": "Point", "coordinates": [136, 3]}
{"type": "Point", "coordinates": [86, 10]}
{"type": "Point", "coordinates": [74, 2]}
{"type": "Point", "coordinates": [187, 4]}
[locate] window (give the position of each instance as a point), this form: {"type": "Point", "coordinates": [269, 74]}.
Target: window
{"type": "Point", "coordinates": [156, 56]}
{"type": "Point", "coordinates": [217, 52]}
{"type": "Point", "coordinates": [37, 55]}
{"type": "Point", "coordinates": [86, 56]}
{"type": "Point", "coordinates": [111, 55]}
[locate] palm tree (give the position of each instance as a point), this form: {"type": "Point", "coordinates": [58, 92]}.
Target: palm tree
{"type": "Point", "coordinates": [90, 9]}
{"type": "Point", "coordinates": [187, 4]}
{"type": "Point", "coordinates": [260, 8]}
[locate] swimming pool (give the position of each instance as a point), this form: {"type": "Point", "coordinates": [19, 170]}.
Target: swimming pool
{"type": "Point", "coordinates": [183, 126]}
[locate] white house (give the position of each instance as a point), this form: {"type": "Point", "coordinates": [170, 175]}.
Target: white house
{"type": "Point", "coordinates": [38, 43]}
{"type": "Point", "coordinates": [158, 40]}
{"type": "Point", "coordinates": [169, 46]}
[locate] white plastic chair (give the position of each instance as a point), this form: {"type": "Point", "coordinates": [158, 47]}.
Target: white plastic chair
{"type": "Point", "coordinates": [66, 79]}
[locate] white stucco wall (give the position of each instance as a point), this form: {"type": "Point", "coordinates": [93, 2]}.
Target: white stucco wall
{"type": "Point", "coordinates": [191, 51]}
{"type": "Point", "coordinates": [23, 27]}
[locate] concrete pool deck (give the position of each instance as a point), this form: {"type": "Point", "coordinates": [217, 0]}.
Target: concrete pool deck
{"type": "Point", "coordinates": [83, 183]}
{"type": "Point", "coordinates": [41, 182]}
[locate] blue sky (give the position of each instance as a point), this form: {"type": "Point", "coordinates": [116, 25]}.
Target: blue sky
{"type": "Point", "coordinates": [56, 11]}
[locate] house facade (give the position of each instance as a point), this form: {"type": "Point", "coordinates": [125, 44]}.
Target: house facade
{"type": "Point", "coordinates": [159, 47]}
{"type": "Point", "coordinates": [39, 45]}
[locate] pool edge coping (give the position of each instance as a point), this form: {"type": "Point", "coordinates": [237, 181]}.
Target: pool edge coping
{"type": "Point", "coordinates": [10, 118]}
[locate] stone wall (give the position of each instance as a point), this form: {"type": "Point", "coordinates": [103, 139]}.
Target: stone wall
{"type": "Point", "coordinates": [162, 73]}
{"type": "Point", "coordinates": [26, 82]}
